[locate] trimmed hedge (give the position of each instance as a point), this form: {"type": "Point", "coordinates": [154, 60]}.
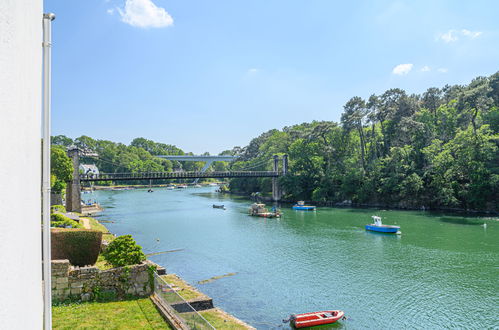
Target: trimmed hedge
{"type": "Point", "coordinates": [80, 246]}
{"type": "Point", "coordinates": [61, 221]}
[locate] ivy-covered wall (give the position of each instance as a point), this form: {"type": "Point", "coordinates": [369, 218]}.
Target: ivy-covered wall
{"type": "Point", "coordinates": [91, 283]}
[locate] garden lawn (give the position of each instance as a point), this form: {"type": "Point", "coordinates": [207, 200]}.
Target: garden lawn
{"type": "Point", "coordinates": [129, 314]}
{"type": "Point", "coordinates": [96, 225]}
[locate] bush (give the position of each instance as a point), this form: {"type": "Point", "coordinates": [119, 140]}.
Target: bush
{"type": "Point", "coordinates": [62, 221]}
{"type": "Point", "coordinates": [59, 208]}
{"type": "Point", "coordinates": [80, 246]}
{"type": "Point", "coordinates": [123, 251]}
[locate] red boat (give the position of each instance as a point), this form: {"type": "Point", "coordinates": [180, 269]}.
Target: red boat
{"type": "Point", "coordinates": [316, 318]}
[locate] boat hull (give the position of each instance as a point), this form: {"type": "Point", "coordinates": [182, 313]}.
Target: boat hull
{"type": "Point", "coordinates": [268, 215]}
{"type": "Point", "coordinates": [383, 228]}
{"type": "Point", "coordinates": [303, 208]}
{"type": "Point", "coordinates": [317, 318]}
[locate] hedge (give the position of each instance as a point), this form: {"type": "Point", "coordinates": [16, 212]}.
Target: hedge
{"type": "Point", "coordinates": [59, 208]}
{"type": "Point", "coordinates": [80, 246]}
{"type": "Point", "coordinates": [62, 221]}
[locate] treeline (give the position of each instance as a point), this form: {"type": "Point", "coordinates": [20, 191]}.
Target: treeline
{"type": "Point", "coordinates": [138, 157]}
{"type": "Point", "coordinates": [437, 150]}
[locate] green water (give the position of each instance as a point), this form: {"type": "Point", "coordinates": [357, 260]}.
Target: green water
{"type": "Point", "coordinates": [442, 272]}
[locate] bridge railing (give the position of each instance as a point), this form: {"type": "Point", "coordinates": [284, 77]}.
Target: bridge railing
{"type": "Point", "coordinates": [175, 175]}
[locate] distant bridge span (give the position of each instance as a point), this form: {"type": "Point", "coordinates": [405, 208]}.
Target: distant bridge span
{"type": "Point", "coordinates": [210, 159]}
{"type": "Point", "coordinates": [176, 175]}
{"type": "Point", "coordinates": [207, 159]}
{"type": "Point", "coordinates": [73, 188]}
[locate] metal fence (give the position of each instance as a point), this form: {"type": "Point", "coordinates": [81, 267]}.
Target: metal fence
{"type": "Point", "coordinates": [179, 306]}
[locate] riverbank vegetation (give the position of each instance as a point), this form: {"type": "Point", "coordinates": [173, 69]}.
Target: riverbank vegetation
{"type": "Point", "coordinates": [438, 149]}
{"type": "Point", "coordinates": [138, 157]}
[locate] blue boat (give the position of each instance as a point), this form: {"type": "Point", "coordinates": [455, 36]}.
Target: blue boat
{"type": "Point", "coordinates": [381, 228]}
{"type": "Point", "coordinates": [300, 205]}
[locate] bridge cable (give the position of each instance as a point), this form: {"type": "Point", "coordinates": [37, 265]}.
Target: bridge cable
{"type": "Point", "coordinates": [107, 161]}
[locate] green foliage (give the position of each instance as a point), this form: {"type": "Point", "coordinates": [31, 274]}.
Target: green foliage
{"type": "Point", "coordinates": [124, 251]}
{"type": "Point", "coordinates": [59, 208]}
{"type": "Point", "coordinates": [61, 168]}
{"type": "Point", "coordinates": [438, 150]}
{"type": "Point", "coordinates": [80, 246]}
{"type": "Point", "coordinates": [61, 221]}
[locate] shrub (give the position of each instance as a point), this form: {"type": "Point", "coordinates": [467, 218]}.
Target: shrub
{"type": "Point", "coordinates": [123, 251]}
{"type": "Point", "coordinates": [80, 246]}
{"type": "Point", "coordinates": [59, 208]}
{"type": "Point", "coordinates": [62, 221]}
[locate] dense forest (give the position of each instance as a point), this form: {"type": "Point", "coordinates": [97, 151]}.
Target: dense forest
{"type": "Point", "coordinates": [434, 150]}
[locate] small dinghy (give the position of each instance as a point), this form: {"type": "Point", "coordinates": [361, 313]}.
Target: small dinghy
{"type": "Point", "coordinates": [215, 206]}
{"type": "Point", "coordinates": [317, 318]}
{"type": "Point", "coordinates": [381, 228]}
{"type": "Point", "coordinates": [300, 206]}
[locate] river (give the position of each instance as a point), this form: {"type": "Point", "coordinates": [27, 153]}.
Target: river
{"type": "Point", "coordinates": [441, 272]}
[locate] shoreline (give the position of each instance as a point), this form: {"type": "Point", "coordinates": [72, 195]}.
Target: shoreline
{"type": "Point", "coordinates": [218, 312]}
{"type": "Point", "coordinates": [448, 210]}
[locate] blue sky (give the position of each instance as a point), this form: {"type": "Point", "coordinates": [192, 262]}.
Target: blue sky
{"type": "Point", "coordinates": [211, 75]}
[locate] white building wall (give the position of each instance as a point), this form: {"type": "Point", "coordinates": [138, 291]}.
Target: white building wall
{"type": "Point", "coordinates": [21, 300]}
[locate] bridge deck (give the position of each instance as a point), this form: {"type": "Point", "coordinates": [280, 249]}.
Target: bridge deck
{"type": "Point", "coordinates": [175, 175]}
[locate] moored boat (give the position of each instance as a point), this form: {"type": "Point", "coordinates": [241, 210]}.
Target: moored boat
{"type": "Point", "coordinates": [316, 318]}
{"type": "Point", "coordinates": [300, 206]}
{"type": "Point", "coordinates": [380, 227]}
{"type": "Point", "coordinates": [259, 210]}
{"type": "Point", "coordinates": [215, 206]}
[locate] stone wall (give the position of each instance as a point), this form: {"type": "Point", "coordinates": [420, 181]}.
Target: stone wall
{"type": "Point", "coordinates": [86, 283]}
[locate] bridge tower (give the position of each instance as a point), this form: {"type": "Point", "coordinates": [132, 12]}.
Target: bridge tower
{"type": "Point", "coordinates": [276, 191]}
{"type": "Point", "coordinates": [73, 188]}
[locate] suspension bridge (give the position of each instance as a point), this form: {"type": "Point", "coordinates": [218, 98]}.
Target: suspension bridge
{"type": "Point", "coordinates": [73, 188]}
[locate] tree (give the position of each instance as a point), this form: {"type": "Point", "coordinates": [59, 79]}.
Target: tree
{"type": "Point", "coordinates": [354, 117]}
{"type": "Point", "coordinates": [124, 251]}
{"type": "Point", "coordinates": [476, 99]}
{"type": "Point", "coordinates": [61, 169]}
{"type": "Point", "coordinates": [62, 140]}
{"type": "Point", "coordinates": [432, 99]}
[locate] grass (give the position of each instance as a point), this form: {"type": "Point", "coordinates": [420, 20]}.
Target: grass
{"type": "Point", "coordinates": [129, 314]}
{"type": "Point", "coordinates": [102, 264]}
{"type": "Point", "coordinates": [106, 235]}
{"type": "Point", "coordinates": [186, 291]}
{"type": "Point", "coordinates": [222, 320]}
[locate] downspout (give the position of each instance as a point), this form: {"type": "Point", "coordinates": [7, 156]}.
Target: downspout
{"type": "Point", "coordinates": [47, 285]}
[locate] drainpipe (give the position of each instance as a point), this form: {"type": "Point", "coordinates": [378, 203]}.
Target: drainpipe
{"type": "Point", "coordinates": [47, 286]}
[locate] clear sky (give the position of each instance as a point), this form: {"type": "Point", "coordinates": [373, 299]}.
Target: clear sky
{"type": "Point", "coordinates": [211, 75]}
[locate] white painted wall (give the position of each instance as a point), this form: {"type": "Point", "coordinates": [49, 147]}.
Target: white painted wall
{"type": "Point", "coordinates": [21, 300]}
